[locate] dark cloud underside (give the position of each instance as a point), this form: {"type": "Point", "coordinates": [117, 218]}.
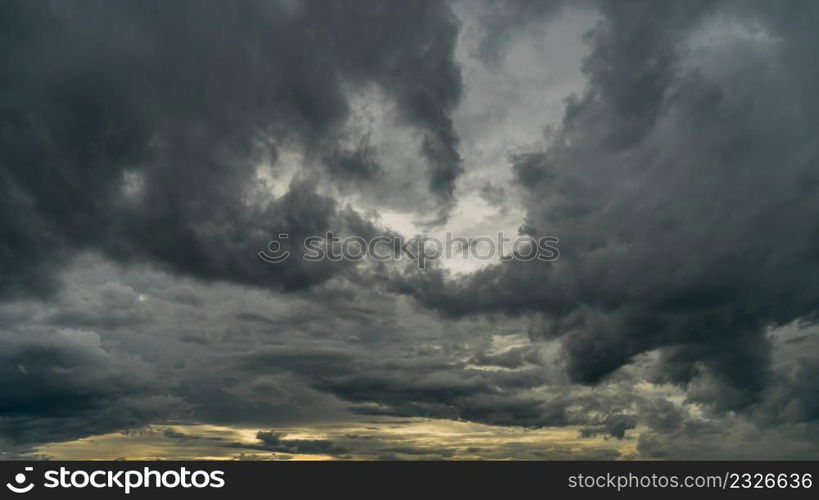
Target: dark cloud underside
{"type": "Point", "coordinates": [681, 176]}
{"type": "Point", "coordinates": [134, 128]}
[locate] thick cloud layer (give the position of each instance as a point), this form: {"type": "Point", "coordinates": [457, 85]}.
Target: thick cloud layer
{"type": "Point", "coordinates": [149, 150]}
{"type": "Point", "coordinates": [682, 185]}
{"type": "Point", "coordinates": [56, 385]}
{"type": "Point", "coordinates": [136, 128]}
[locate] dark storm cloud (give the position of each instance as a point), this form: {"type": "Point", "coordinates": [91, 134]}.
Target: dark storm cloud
{"type": "Point", "coordinates": [60, 385]}
{"type": "Point", "coordinates": [513, 450]}
{"type": "Point", "coordinates": [353, 166]}
{"type": "Point", "coordinates": [278, 442]}
{"type": "Point", "coordinates": [731, 438]}
{"type": "Point", "coordinates": [493, 194]}
{"type": "Point", "coordinates": [395, 384]}
{"type": "Point", "coordinates": [271, 441]}
{"type": "Point", "coordinates": [113, 306]}
{"type": "Point", "coordinates": [682, 184]}
{"type": "Point", "coordinates": [684, 192]}
{"type": "Point", "coordinates": [613, 425]}
{"type": "Point", "coordinates": [134, 128]}
{"type": "Point", "coordinates": [408, 49]}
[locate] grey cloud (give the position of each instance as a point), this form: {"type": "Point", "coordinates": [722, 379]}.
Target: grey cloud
{"type": "Point", "coordinates": [501, 19]}
{"type": "Point", "coordinates": [59, 385]}
{"type": "Point", "coordinates": [112, 305]}
{"type": "Point", "coordinates": [436, 386]}
{"type": "Point", "coordinates": [732, 439]}
{"type": "Point", "coordinates": [681, 184]}
{"type": "Point", "coordinates": [512, 358]}
{"type": "Point", "coordinates": [278, 442]}
{"type": "Point", "coordinates": [514, 450]}
{"type": "Point", "coordinates": [614, 425]}
{"type": "Point", "coordinates": [683, 193]}
{"type": "Point", "coordinates": [495, 195]}
{"type": "Point", "coordinates": [135, 128]}
{"type": "Point", "coordinates": [353, 166]}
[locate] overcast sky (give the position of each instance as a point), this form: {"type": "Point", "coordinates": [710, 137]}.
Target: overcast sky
{"type": "Point", "coordinates": [150, 149]}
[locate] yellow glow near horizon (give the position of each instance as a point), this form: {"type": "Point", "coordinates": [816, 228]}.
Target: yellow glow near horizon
{"type": "Point", "coordinates": [425, 438]}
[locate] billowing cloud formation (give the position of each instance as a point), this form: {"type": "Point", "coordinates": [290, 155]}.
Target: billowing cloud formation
{"type": "Point", "coordinates": [136, 129]}
{"type": "Point", "coordinates": [56, 385]}
{"type": "Point", "coordinates": [682, 184]}
{"type": "Point", "coordinates": [149, 150]}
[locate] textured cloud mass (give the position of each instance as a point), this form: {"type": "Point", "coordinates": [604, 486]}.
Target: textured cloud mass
{"type": "Point", "coordinates": [136, 128]}
{"type": "Point", "coordinates": [687, 218]}
{"type": "Point", "coordinates": [150, 150]}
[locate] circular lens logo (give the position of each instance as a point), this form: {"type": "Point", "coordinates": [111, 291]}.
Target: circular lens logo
{"type": "Point", "coordinates": [20, 479]}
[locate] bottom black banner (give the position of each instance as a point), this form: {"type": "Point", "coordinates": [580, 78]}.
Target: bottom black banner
{"type": "Point", "coordinates": [215, 479]}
